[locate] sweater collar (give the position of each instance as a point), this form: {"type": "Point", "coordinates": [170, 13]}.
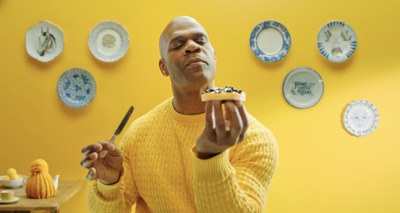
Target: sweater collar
{"type": "Point", "coordinates": [181, 117]}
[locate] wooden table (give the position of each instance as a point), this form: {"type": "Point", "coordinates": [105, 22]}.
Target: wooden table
{"type": "Point", "coordinates": [66, 189]}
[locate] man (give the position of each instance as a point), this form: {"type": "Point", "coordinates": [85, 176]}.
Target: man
{"type": "Point", "coordinates": [185, 155]}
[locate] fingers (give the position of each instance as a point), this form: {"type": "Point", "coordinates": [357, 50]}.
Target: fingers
{"type": "Point", "coordinates": [99, 168]}
{"type": "Point", "coordinates": [219, 119]}
{"type": "Point", "coordinates": [224, 127]}
{"type": "Point", "coordinates": [245, 121]}
{"type": "Point", "coordinates": [230, 125]}
{"type": "Point", "coordinates": [91, 148]}
{"type": "Point", "coordinates": [209, 115]}
{"type": "Point", "coordinates": [92, 151]}
{"type": "Point", "coordinates": [236, 124]}
{"type": "Point", "coordinates": [97, 147]}
{"type": "Point", "coordinates": [87, 162]}
{"type": "Point", "coordinates": [112, 150]}
{"type": "Point", "coordinates": [92, 174]}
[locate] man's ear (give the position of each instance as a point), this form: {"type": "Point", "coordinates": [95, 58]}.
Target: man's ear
{"type": "Point", "coordinates": [163, 67]}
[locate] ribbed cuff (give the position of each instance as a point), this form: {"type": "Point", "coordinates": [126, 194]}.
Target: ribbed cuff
{"type": "Point", "coordinates": [210, 170]}
{"type": "Point", "coordinates": [108, 191]}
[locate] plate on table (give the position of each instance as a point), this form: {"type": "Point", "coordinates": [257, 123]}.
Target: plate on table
{"type": "Point", "coordinates": [108, 41]}
{"type": "Point", "coordinates": [76, 88]}
{"type": "Point", "coordinates": [44, 41]}
{"type": "Point", "coordinates": [336, 41]}
{"type": "Point", "coordinates": [270, 41]}
{"type": "Point", "coordinates": [360, 118]}
{"type": "Point", "coordinates": [303, 87]}
{"type": "Point", "coordinates": [14, 200]}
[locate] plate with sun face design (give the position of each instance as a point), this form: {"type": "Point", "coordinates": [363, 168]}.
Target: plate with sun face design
{"type": "Point", "coordinates": [336, 41]}
{"type": "Point", "coordinates": [360, 118]}
{"type": "Point", "coordinates": [44, 41]}
{"type": "Point", "coordinates": [108, 41]}
{"type": "Point", "coordinates": [76, 88]}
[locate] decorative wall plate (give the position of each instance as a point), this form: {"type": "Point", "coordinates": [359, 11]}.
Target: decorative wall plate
{"type": "Point", "coordinates": [303, 87]}
{"type": "Point", "coordinates": [108, 41]}
{"type": "Point", "coordinates": [336, 41]}
{"type": "Point", "coordinates": [360, 118]}
{"type": "Point", "coordinates": [270, 41]}
{"type": "Point", "coordinates": [76, 88]}
{"type": "Point", "coordinates": [44, 41]}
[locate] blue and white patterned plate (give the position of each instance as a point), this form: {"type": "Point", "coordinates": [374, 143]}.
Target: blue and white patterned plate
{"type": "Point", "coordinates": [336, 41]}
{"type": "Point", "coordinates": [76, 88]}
{"type": "Point", "coordinates": [303, 87]}
{"type": "Point", "coordinates": [270, 41]}
{"type": "Point", "coordinates": [108, 41]}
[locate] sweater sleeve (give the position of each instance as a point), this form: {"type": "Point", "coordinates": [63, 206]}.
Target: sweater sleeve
{"type": "Point", "coordinates": [118, 197]}
{"type": "Point", "coordinates": [238, 179]}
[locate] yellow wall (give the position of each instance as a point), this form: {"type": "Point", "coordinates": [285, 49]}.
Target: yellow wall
{"type": "Point", "coordinates": [322, 168]}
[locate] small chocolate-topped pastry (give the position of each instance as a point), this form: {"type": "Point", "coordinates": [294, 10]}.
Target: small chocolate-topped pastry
{"type": "Point", "coordinates": [227, 93]}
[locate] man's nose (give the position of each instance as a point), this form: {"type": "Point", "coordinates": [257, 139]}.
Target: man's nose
{"type": "Point", "coordinates": [192, 47]}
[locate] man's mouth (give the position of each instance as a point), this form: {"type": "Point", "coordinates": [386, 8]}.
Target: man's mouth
{"type": "Point", "coordinates": [194, 61]}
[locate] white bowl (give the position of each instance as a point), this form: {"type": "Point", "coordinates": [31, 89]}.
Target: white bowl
{"type": "Point", "coordinates": [11, 183]}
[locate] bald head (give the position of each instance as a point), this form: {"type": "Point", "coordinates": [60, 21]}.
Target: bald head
{"type": "Point", "coordinates": [188, 57]}
{"type": "Point", "coordinates": [175, 24]}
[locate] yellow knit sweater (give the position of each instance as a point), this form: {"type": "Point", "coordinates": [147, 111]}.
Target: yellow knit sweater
{"type": "Point", "coordinates": [163, 174]}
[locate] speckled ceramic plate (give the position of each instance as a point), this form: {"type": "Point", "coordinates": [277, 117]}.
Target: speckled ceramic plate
{"type": "Point", "coordinates": [303, 87]}
{"type": "Point", "coordinates": [360, 118]}
{"type": "Point", "coordinates": [76, 88]}
{"type": "Point", "coordinates": [44, 41]}
{"type": "Point", "coordinates": [336, 41]}
{"type": "Point", "coordinates": [270, 41]}
{"type": "Point", "coordinates": [108, 41]}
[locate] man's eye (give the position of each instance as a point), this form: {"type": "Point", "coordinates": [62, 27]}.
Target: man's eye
{"type": "Point", "coordinates": [177, 47]}
{"type": "Point", "coordinates": [201, 42]}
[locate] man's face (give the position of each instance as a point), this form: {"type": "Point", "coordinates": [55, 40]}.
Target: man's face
{"type": "Point", "coordinates": [187, 54]}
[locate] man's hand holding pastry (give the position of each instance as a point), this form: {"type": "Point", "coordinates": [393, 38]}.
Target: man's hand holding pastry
{"type": "Point", "coordinates": [226, 125]}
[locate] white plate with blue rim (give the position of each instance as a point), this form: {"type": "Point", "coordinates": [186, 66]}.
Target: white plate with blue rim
{"type": "Point", "coordinates": [303, 87]}
{"type": "Point", "coordinates": [336, 41]}
{"type": "Point", "coordinates": [360, 118]}
{"type": "Point", "coordinates": [44, 41]}
{"type": "Point", "coordinates": [270, 41]}
{"type": "Point", "coordinates": [108, 41]}
{"type": "Point", "coordinates": [76, 88]}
